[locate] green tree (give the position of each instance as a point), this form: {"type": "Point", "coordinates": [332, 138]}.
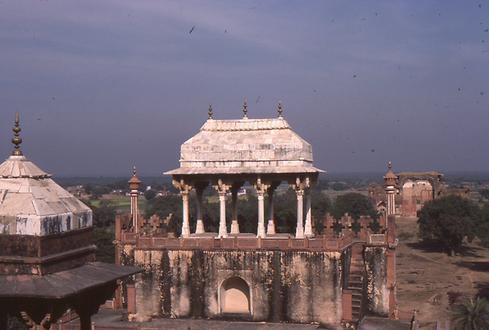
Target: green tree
{"type": "Point", "coordinates": [149, 194]}
{"type": "Point", "coordinates": [320, 205]}
{"type": "Point", "coordinates": [103, 214]}
{"type": "Point", "coordinates": [354, 204]}
{"type": "Point", "coordinates": [447, 221]}
{"type": "Point", "coordinates": [163, 206]}
{"type": "Point", "coordinates": [483, 225]}
{"type": "Point", "coordinates": [338, 186]}
{"type": "Point", "coordinates": [471, 315]}
{"type": "Point", "coordinates": [484, 193]}
{"type": "Point", "coordinates": [105, 246]}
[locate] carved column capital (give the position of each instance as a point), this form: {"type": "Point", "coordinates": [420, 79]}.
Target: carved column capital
{"type": "Point", "coordinates": [301, 184]}
{"type": "Point", "coordinates": [260, 186]}
{"type": "Point", "coordinates": [183, 186]}
{"type": "Point", "coordinates": [221, 187]}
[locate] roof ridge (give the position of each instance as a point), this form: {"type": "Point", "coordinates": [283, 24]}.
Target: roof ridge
{"type": "Point", "coordinates": [245, 124]}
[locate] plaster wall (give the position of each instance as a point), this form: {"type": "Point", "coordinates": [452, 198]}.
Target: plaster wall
{"type": "Point", "coordinates": [292, 286]}
{"type": "Point", "coordinates": [377, 291]}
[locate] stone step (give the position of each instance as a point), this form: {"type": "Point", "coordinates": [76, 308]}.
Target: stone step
{"type": "Point", "coordinates": [356, 269]}
{"type": "Point", "coordinates": [358, 285]}
{"type": "Point", "coordinates": [356, 263]}
{"type": "Point", "coordinates": [355, 287]}
{"type": "Point", "coordinates": [358, 272]}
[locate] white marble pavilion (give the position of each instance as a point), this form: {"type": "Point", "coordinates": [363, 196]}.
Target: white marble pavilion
{"type": "Point", "coordinates": [226, 154]}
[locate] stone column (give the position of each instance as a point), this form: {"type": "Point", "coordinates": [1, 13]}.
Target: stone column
{"type": "Point", "coordinates": [199, 227]}
{"type": "Point", "coordinates": [222, 189]}
{"type": "Point", "coordinates": [300, 186]}
{"type": "Point", "coordinates": [260, 191]}
{"type": "Point", "coordinates": [261, 215]}
{"type": "Point", "coordinates": [299, 230]}
{"type": "Point", "coordinates": [184, 192]}
{"type": "Point", "coordinates": [134, 210]}
{"type": "Point", "coordinates": [134, 183]}
{"type": "Point", "coordinates": [391, 200]}
{"type": "Point", "coordinates": [271, 216]}
{"type": "Point", "coordinates": [185, 208]}
{"type": "Point", "coordinates": [390, 180]}
{"type": "Point", "coordinates": [308, 227]}
{"type": "Point", "coordinates": [234, 218]}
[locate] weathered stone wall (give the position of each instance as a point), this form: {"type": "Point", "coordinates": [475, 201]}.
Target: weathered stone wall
{"type": "Point", "coordinates": [289, 286]}
{"type": "Point", "coordinates": [377, 291]}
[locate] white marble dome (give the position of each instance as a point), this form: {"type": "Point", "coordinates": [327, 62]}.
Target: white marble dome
{"type": "Point", "coordinates": [31, 203]}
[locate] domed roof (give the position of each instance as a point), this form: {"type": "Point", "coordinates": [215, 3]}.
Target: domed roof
{"type": "Point", "coordinates": [31, 203]}
{"type": "Point", "coordinates": [390, 178]}
{"type": "Point", "coordinates": [246, 146]}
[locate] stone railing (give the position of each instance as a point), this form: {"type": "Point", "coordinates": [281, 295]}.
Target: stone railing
{"type": "Point", "coordinates": [364, 228]}
{"type": "Point", "coordinates": [338, 234]}
{"type": "Point", "coordinates": [237, 243]}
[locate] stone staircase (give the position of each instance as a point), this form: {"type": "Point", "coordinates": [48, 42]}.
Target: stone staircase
{"type": "Point", "coordinates": [356, 282]}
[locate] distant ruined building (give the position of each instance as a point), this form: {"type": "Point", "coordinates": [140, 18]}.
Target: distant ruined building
{"type": "Point", "coordinates": [413, 190]}
{"type": "Point", "coordinates": [335, 279]}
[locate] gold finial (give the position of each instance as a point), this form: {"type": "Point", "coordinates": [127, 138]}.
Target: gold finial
{"type": "Point", "coordinates": [389, 165]}
{"type": "Point", "coordinates": [280, 110]}
{"type": "Point", "coordinates": [209, 112]}
{"type": "Point", "coordinates": [245, 109]}
{"type": "Point", "coordinates": [134, 170]}
{"type": "Point", "coordinates": [16, 139]}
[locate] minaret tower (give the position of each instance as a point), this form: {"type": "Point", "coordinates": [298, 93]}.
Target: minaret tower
{"type": "Point", "coordinates": [134, 184]}
{"type": "Point", "coordinates": [390, 180]}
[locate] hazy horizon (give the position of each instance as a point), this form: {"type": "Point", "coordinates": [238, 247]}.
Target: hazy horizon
{"type": "Point", "coordinates": [103, 86]}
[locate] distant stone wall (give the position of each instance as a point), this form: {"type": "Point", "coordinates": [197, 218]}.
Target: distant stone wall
{"type": "Point", "coordinates": [291, 286]}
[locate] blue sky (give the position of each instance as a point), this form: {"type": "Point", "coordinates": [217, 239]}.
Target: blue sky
{"type": "Point", "coordinates": [103, 85]}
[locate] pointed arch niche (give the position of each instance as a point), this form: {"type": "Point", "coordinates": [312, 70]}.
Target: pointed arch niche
{"type": "Point", "coordinates": [235, 297]}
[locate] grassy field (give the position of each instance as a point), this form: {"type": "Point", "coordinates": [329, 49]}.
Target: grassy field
{"type": "Point", "coordinates": [120, 202]}
{"type": "Point", "coordinates": [427, 277]}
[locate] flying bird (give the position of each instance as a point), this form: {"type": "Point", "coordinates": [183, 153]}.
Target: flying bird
{"type": "Point", "coordinates": [191, 30]}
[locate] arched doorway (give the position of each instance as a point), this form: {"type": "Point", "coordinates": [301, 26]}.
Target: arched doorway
{"type": "Point", "coordinates": [235, 296]}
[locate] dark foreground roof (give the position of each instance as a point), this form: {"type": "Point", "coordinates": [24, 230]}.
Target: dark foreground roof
{"type": "Point", "coordinates": [63, 284]}
{"type": "Point", "coordinates": [379, 323]}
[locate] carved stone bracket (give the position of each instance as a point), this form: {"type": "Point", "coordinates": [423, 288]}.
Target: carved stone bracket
{"type": "Point", "coordinates": [182, 186]}
{"type": "Point", "coordinates": [221, 187]}
{"type": "Point", "coordinates": [260, 186]}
